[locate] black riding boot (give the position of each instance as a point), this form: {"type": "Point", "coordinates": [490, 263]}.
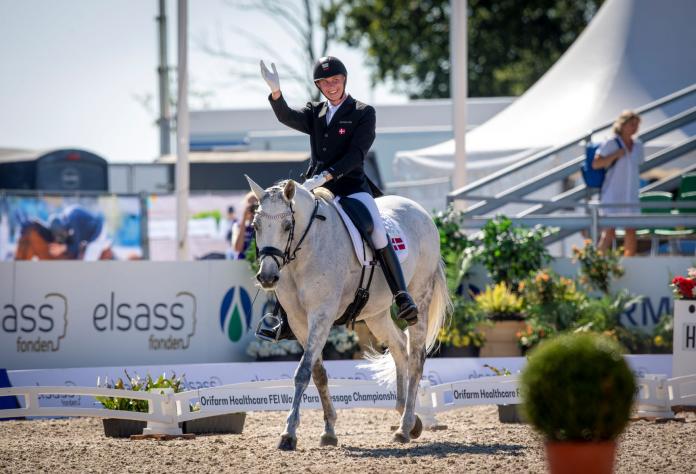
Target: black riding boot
{"type": "Point", "coordinates": [408, 311]}
{"type": "Point", "coordinates": [278, 328]}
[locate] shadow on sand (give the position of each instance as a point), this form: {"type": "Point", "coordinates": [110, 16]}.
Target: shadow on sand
{"type": "Point", "coordinates": [437, 449]}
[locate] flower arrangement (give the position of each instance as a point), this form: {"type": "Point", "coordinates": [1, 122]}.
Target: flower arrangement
{"type": "Point", "coordinates": [264, 349]}
{"type": "Point", "coordinates": [597, 268]}
{"type": "Point", "coordinates": [684, 287]}
{"type": "Point", "coordinates": [136, 384]}
{"type": "Point", "coordinates": [500, 303]}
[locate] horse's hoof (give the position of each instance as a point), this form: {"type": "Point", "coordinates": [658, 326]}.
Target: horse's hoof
{"type": "Point", "coordinates": [287, 443]}
{"type": "Point", "coordinates": [417, 428]}
{"type": "Point", "coordinates": [400, 438]}
{"type": "Point", "coordinates": [328, 440]}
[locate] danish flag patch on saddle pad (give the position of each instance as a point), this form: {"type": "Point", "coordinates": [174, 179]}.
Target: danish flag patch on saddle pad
{"type": "Point", "coordinates": [362, 252]}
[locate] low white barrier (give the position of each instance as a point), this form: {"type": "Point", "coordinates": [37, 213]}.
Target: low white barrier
{"type": "Point", "coordinates": [655, 397]}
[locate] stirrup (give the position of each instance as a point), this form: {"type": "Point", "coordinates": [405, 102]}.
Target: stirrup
{"type": "Point", "coordinates": [410, 312]}
{"type": "Point", "coordinates": [269, 331]}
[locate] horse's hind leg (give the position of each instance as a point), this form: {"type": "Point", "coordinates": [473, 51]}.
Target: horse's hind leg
{"type": "Point", "coordinates": [386, 331]}
{"type": "Point", "coordinates": [321, 380]}
{"type": "Point", "coordinates": [411, 426]}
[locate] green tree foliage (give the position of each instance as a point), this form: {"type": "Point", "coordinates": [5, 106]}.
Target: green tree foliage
{"type": "Point", "coordinates": [511, 42]}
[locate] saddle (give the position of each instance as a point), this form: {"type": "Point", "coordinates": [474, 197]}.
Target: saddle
{"type": "Point", "coordinates": [362, 220]}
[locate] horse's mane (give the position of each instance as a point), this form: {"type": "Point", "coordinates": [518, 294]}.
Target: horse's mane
{"type": "Point", "coordinates": [321, 193]}
{"type": "Point", "coordinates": [39, 227]}
{"type": "Point", "coordinates": [324, 194]}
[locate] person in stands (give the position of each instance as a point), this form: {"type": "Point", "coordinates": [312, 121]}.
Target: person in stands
{"type": "Point", "coordinates": [621, 157]}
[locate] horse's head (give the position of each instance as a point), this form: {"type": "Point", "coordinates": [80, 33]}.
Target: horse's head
{"type": "Point", "coordinates": [279, 223]}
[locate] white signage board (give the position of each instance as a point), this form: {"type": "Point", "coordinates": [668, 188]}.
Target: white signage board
{"type": "Point", "coordinates": [91, 314]}
{"type": "Point", "coordinates": [204, 376]}
{"type": "Point", "coordinates": [684, 342]}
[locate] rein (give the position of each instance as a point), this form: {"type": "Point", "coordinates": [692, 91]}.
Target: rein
{"type": "Point", "coordinates": [287, 255]}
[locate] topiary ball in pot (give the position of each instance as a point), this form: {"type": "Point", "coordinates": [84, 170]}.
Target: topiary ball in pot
{"type": "Point", "coordinates": [578, 388]}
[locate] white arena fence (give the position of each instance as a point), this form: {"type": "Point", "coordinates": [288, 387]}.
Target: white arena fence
{"type": "Point", "coordinates": [655, 397]}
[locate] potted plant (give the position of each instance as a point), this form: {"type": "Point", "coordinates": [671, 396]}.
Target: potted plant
{"type": "Point", "coordinates": [503, 310]}
{"type": "Point", "coordinates": [265, 351]}
{"type": "Point", "coordinates": [342, 343]}
{"type": "Point", "coordinates": [509, 253]}
{"type": "Point", "coordinates": [121, 428]}
{"type": "Point", "coordinates": [551, 304]}
{"type": "Point", "coordinates": [577, 390]}
{"type": "Point", "coordinates": [463, 337]}
{"type": "Point", "coordinates": [597, 267]}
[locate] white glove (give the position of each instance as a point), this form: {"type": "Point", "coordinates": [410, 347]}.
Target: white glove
{"type": "Point", "coordinates": [271, 78]}
{"type": "Point", "coordinates": [314, 182]}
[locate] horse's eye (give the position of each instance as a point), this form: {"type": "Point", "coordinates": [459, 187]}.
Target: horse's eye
{"type": "Point", "coordinates": [287, 226]}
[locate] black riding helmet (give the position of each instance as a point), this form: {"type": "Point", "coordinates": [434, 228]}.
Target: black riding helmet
{"type": "Point", "coordinates": [328, 66]}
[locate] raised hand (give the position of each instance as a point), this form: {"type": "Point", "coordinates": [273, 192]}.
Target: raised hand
{"type": "Point", "coordinates": [271, 78]}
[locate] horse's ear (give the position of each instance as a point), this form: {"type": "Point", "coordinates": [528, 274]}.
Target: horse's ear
{"type": "Point", "coordinates": [289, 190]}
{"type": "Point", "coordinates": [257, 190]}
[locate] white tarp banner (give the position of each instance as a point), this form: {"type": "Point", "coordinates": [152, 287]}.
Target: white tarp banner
{"type": "Point", "coordinates": [72, 314]}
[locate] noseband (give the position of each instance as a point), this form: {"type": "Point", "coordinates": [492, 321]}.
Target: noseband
{"type": "Point", "coordinates": [282, 257]}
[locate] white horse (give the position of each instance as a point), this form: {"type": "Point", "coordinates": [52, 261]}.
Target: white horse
{"type": "Point", "coordinates": [311, 265]}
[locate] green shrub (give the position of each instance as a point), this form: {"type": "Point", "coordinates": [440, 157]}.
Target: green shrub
{"type": "Point", "coordinates": [578, 387]}
{"type": "Point", "coordinates": [511, 254]}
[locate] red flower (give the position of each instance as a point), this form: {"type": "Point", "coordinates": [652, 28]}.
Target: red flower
{"type": "Point", "coordinates": [685, 285]}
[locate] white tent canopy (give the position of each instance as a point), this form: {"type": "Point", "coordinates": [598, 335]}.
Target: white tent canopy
{"type": "Point", "coordinates": [631, 53]}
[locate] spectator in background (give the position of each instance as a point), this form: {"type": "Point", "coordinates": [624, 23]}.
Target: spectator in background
{"type": "Point", "coordinates": [242, 230]}
{"type": "Point", "coordinates": [621, 157]}
{"type": "Point", "coordinates": [227, 230]}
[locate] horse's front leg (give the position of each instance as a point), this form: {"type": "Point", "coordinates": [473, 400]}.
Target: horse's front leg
{"type": "Point", "coordinates": [319, 324]}
{"type": "Point", "coordinates": [321, 380]}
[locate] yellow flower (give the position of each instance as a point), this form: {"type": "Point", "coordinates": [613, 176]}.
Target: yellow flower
{"type": "Point", "coordinates": [659, 341]}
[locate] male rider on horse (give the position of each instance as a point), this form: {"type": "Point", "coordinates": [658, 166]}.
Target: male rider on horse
{"type": "Point", "coordinates": [78, 234]}
{"type": "Point", "coordinates": [341, 131]}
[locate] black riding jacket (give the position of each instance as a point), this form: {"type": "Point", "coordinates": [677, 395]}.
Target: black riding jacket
{"type": "Point", "coordinates": [340, 147]}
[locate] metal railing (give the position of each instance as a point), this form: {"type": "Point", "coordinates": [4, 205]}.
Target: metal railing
{"type": "Point", "coordinates": [491, 203]}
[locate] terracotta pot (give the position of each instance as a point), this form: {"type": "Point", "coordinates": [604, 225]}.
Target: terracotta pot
{"type": "Point", "coordinates": [578, 457]}
{"type": "Point", "coordinates": [501, 339]}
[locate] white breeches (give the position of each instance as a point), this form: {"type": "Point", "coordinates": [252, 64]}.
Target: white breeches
{"type": "Point", "coordinates": [379, 233]}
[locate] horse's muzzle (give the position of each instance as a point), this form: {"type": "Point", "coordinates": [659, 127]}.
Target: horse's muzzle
{"type": "Point", "coordinates": [268, 280]}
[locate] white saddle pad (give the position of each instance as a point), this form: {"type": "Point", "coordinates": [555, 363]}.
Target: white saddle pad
{"type": "Point", "coordinates": [363, 252]}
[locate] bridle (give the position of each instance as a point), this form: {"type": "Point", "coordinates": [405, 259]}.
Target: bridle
{"type": "Point", "coordinates": [283, 257]}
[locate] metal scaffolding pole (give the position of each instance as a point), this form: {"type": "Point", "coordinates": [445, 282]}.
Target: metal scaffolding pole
{"type": "Point", "coordinates": [182, 134]}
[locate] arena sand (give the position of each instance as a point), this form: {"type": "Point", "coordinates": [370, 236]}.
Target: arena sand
{"type": "Point", "coordinates": [475, 441]}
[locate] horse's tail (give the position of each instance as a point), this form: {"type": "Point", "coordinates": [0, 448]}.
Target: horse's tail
{"type": "Point", "coordinates": [382, 365]}
{"type": "Point", "coordinates": [440, 308]}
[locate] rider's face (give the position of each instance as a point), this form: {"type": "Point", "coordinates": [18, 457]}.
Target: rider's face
{"type": "Point", "coordinates": [333, 87]}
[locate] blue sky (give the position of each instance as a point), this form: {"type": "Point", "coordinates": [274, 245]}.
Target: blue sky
{"type": "Point", "coordinates": [71, 71]}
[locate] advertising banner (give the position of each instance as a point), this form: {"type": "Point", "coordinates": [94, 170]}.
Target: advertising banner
{"type": "Point", "coordinates": [55, 227]}
{"type": "Point", "coordinates": [203, 376]}
{"type": "Point", "coordinates": [72, 314]}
